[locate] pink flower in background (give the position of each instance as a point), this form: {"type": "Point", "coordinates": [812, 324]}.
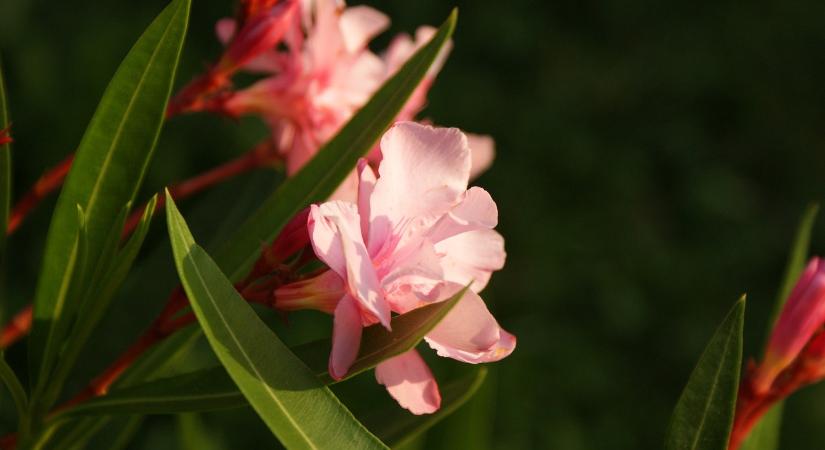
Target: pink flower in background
{"type": "Point", "coordinates": [325, 73]}
{"type": "Point", "coordinates": [416, 235]}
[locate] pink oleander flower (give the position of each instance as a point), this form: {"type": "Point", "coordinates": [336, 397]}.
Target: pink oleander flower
{"type": "Point", "coordinates": [325, 73]}
{"type": "Point", "coordinates": [415, 235]}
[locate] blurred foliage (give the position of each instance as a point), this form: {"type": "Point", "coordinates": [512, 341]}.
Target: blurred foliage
{"type": "Point", "coordinates": [653, 160]}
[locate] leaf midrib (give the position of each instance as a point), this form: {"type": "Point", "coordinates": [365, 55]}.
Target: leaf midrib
{"type": "Point", "coordinates": [711, 394]}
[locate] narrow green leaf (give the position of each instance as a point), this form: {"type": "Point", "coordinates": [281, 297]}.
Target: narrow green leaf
{"type": "Point", "coordinates": [285, 393]}
{"type": "Point", "coordinates": [202, 390]}
{"type": "Point", "coordinates": [18, 394]}
{"type": "Point", "coordinates": [396, 427]}
{"type": "Point", "coordinates": [324, 173]}
{"type": "Point", "coordinates": [379, 344]}
{"type": "Point", "coordinates": [765, 434]}
{"type": "Point", "coordinates": [193, 434]}
{"type": "Point", "coordinates": [703, 416]}
{"type": "Point", "coordinates": [108, 169]}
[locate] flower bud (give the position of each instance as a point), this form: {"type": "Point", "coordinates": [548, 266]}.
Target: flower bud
{"type": "Point", "coordinates": [802, 316]}
{"type": "Point", "coordinates": [320, 293]}
{"type": "Point", "coordinates": [261, 32]}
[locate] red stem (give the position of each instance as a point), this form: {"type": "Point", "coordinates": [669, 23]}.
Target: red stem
{"type": "Point", "coordinates": [45, 185]}
{"type": "Point", "coordinates": [17, 328]}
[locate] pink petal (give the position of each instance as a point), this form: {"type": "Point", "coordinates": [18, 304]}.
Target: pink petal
{"type": "Point", "coordinates": [483, 150]}
{"type": "Point", "coordinates": [359, 24]}
{"type": "Point", "coordinates": [366, 184]}
{"type": "Point", "coordinates": [472, 256]}
{"type": "Point", "coordinates": [410, 382]}
{"type": "Point", "coordinates": [471, 334]}
{"type": "Point", "coordinates": [346, 337]}
{"type": "Point", "coordinates": [334, 228]}
{"type": "Point", "coordinates": [477, 211]}
{"type": "Point", "coordinates": [423, 173]}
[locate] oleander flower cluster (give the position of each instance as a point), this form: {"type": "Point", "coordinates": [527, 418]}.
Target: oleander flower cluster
{"type": "Point", "coordinates": [321, 73]}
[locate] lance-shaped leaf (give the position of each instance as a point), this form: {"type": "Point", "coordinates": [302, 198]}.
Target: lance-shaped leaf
{"type": "Point", "coordinates": [202, 390]}
{"type": "Point", "coordinates": [108, 168]}
{"type": "Point", "coordinates": [703, 416]}
{"type": "Point", "coordinates": [317, 180]}
{"type": "Point", "coordinates": [378, 343]}
{"type": "Point", "coordinates": [18, 395]}
{"type": "Point", "coordinates": [296, 407]}
{"type": "Point", "coordinates": [765, 434]}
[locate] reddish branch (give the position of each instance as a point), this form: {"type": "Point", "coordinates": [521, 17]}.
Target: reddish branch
{"type": "Point", "coordinates": [48, 183]}
{"type": "Point", "coordinates": [17, 328]}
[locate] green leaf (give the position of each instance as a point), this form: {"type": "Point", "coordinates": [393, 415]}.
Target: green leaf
{"type": "Point", "coordinates": [193, 434]}
{"type": "Point", "coordinates": [379, 344]}
{"type": "Point", "coordinates": [108, 169]}
{"type": "Point", "coordinates": [285, 393]}
{"type": "Point", "coordinates": [18, 394]}
{"type": "Point", "coordinates": [396, 427]}
{"type": "Point", "coordinates": [317, 180]}
{"type": "Point", "coordinates": [765, 434]}
{"type": "Point", "coordinates": [703, 416]}
{"type": "Point", "coordinates": [202, 390]}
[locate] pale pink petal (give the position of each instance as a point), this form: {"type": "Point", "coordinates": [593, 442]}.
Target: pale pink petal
{"type": "Point", "coordinates": [225, 29]}
{"type": "Point", "coordinates": [411, 280]}
{"type": "Point", "coordinates": [477, 211]}
{"type": "Point", "coordinates": [410, 382]}
{"type": "Point", "coordinates": [472, 256]}
{"type": "Point", "coordinates": [366, 184]}
{"type": "Point", "coordinates": [346, 337]}
{"type": "Point", "coordinates": [348, 190]}
{"type": "Point", "coordinates": [359, 24]}
{"type": "Point", "coordinates": [423, 173]}
{"type": "Point", "coordinates": [471, 334]}
{"type": "Point", "coordinates": [483, 150]}
{"type": "Point", "coordinates": [334, 228]}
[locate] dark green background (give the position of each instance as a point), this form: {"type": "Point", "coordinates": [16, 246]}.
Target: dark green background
{"type": "Point", "coordinates": [653, 160]}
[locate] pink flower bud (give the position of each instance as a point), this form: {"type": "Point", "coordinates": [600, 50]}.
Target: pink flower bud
{"type": "Point", "coordinates": [320, 293]}
{"type": "Point", "coordinates": [259, 33]}
{"type": "Point", "coordinates": [802, 316]}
